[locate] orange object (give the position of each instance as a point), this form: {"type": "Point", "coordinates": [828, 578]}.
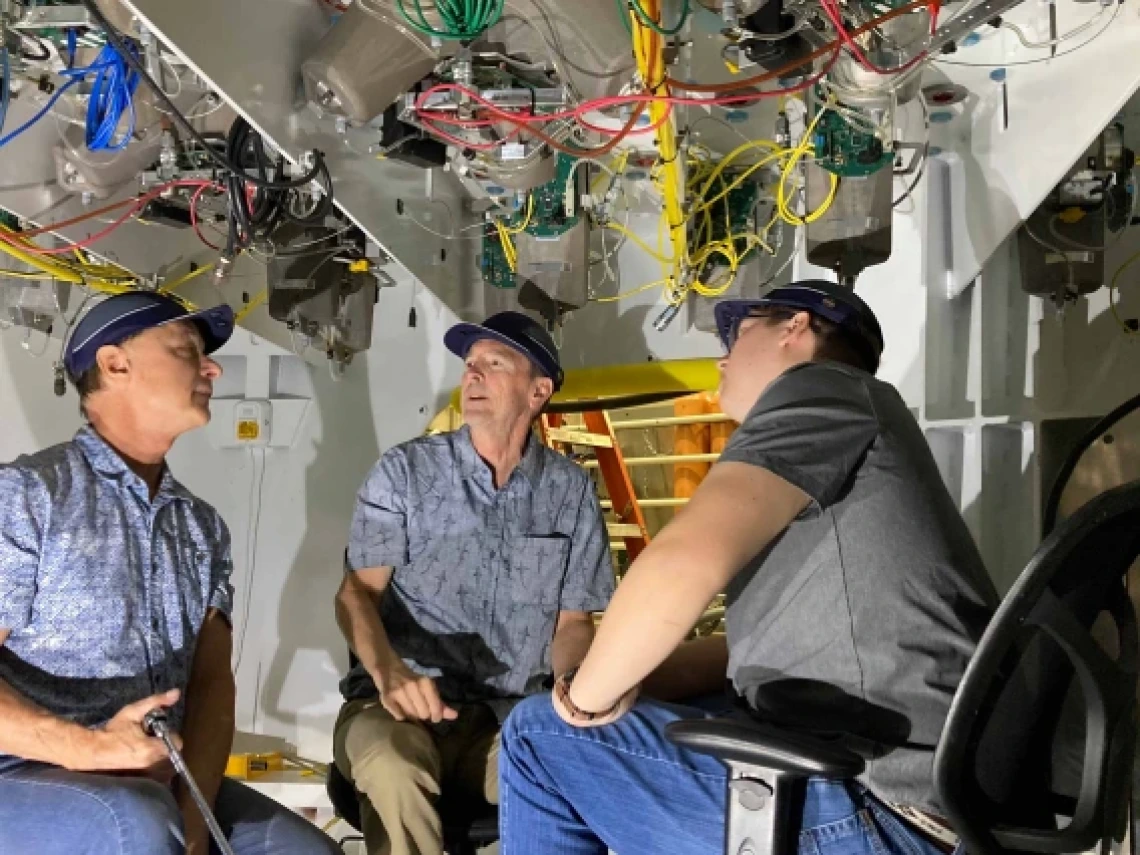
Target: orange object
{"type": "Point", "coordinates": [689, 439]}
{"type": "Point", "coordinates": [599, 433]}
{"type": "Point", "coordinates": [721, 431]}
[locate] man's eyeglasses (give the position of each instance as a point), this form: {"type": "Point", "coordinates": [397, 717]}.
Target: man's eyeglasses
{"type": "Point", "coordinates": [734, 330]}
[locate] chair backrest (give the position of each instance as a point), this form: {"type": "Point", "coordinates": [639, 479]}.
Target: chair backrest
{"type": "Point", "coordinates": [1037, 751]}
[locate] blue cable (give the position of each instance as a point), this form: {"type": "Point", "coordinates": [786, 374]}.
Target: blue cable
{"type": "Point", "coordinates": [43, 112]}
{"type": "Point", "coordinates": [6, 92]}
{"type": "Point", "coordinates": [112, 95]}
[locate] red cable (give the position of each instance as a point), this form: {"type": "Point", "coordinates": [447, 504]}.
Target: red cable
{"type": "Point", "coordinates": [87, 215]}
{"type": "Point", "coordinates": [836, 18]}
{"type": "Point", "coordinates": [523, 120]}
{"type": "Point", "coordinates": [194, 214]}
{"type": "Point", "coordinates": [136, 205]}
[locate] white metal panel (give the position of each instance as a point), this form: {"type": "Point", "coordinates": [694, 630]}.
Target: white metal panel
{"type": "Point", "coordinates": [251, 52]}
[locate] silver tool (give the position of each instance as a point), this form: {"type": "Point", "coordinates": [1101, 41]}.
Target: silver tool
{"type": "Point", "coordinates": [155, 723]}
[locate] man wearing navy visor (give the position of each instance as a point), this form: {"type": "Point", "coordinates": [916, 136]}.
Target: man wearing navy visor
{"type": "Point", "coordinates": [474, 562]}
{"type": "Point", "coordinates": [856, 597]}
{"type": "Point", "coordinates": [115, 599]}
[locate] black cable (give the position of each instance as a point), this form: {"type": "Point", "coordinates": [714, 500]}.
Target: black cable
{"type": "Point", "coordinates": [36, 41]}
{"type": "Point", "coordinates": [1052, 505]}
{"type": "Point", "coordinates": [118, 41]}
{"type": "Point", "coordinates": [914, 182]}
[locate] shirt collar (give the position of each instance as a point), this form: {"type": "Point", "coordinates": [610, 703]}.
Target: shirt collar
{"type": "Point", "coordinates": [472, 465]}
{"type": "Point", "coordinates": [107, 462]}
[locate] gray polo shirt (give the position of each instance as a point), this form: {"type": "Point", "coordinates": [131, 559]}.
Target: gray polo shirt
{"type": "Point", "coordinates": [861, 617]}
{"type": "Point", "coordinates": [480, 574]}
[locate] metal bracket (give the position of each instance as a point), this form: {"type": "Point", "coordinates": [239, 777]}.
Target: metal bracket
{"type": "Point", "coordinates": [51, 17]}
{"type": "Point", "coordinates": [917, 148]}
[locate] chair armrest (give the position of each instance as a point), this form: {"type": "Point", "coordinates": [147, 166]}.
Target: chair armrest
{"type": "Point", "coordinates": [764, 745]}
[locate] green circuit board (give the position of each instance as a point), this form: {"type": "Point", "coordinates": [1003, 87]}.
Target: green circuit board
{"type": "Point", "coordinates": [846, 150]}
{"type": "Point", "coordinates": [548, 218]}
{"type": "Point", "coordinates": [548, 221]}
{"type": "Point", "coordinates": [730, 215]}
{"type": "Point", "coordinates": [493, 262]}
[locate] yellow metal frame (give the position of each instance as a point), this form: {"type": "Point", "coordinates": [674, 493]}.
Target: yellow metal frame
{"type": "Point", "coordinates": [683, 376]}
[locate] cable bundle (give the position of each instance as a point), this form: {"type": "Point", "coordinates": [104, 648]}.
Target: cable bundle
{"type": "Point", "coordinates": [112, 96]}
{"type": "Point", "coordinates": [258, 207]}
{"type": "Point", "coordinates": [462, 20]}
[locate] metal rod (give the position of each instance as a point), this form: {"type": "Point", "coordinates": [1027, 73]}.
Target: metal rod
{"type": "Point", "coordinates": [663, 459]}
{"type": "Point", "coordinates": [155, 723]}
{"type": "Point", "coordinates": [669, 421]}
{"type": "Point", "coordinates": [651, 503]}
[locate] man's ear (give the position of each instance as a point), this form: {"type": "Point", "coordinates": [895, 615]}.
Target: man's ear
{"type": "Point", "coordinates": [795, 327]}
{"type": "Point", "coordinates": [542, 390]}
{"type": "Point", "coordinates": [114, 364]}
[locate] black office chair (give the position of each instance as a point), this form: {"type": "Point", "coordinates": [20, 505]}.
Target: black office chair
{"type": "Point", "coordinates": [467, 827]}
{"type": "Point", "coordinates": [1037, 752]}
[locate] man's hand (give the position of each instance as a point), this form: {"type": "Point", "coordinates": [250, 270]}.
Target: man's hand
{"type": "Point", "coordinates": [409, 696]}
{"type": "Point", "coordinates": [624, 705]}
{"type": "Point", "coordinates": [122, 744]}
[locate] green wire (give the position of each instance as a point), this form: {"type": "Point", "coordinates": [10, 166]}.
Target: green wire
{"type": "Point", "coordinates": [462, 19]}
{"type": "Point", "coordinates": [657, 28]}
{"type": "Point", "coordinates": [623, 13]}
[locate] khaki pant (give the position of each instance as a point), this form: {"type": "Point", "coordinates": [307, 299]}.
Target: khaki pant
{"type": "Point", "coordinates": [400, 766]}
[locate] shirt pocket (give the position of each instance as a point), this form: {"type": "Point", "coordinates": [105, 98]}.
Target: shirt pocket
{"type": "Point", "coordinates": [537, 568]}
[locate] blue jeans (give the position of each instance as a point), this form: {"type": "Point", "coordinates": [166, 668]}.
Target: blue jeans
{"type": "Point", "coordinates": [51, 811]}
{"type": "Point", "coordinates": [625, 787]}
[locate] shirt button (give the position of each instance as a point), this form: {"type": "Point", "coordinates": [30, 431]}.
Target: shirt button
{"type": "Point", "coordinates": [154, 624]}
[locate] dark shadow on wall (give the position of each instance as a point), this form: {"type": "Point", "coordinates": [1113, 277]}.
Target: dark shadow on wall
{"type": "Point", "coordinates": [305, 617]}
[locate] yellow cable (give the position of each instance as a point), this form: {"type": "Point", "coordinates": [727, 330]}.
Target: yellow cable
{"type": "Point", "coordinates": [182, 280]}
{"type": "Point", "coordinates": [783, 201]}
{"type": "Point", "coordinates": [508, 245]}
{"type": "Point", "coordinates": [629, 293]}
{"type": "Point", "coordinates": [526, 220]}
{"type": "Point", "coordinates": [101, 277]}
{"type": "Point", "coordinates": [617, 166]}
{"type": "Point", "coordinates": [740, 179]}
{"type": "Point", "coordinates": [1113, 286]}
{"type": "Point", "coordinates": [622, 230]}
{"type": "Point", "coordinates": [245, 311]}
{"type": "Point", "coordinates": [648, 49]}
{"type": "Point", "coordinates": [23, 274]}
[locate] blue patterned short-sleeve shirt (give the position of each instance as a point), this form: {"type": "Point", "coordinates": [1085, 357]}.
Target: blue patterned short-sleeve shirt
{"type": "Point", "coordinates": [103, 590]}
{"type": "Point", "coordinates": [480, 574]}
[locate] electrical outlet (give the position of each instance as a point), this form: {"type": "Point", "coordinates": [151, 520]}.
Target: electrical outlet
{"type": "Point", "coordinates": [253, 422]}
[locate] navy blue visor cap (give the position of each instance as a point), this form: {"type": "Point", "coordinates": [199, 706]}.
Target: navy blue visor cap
{"type": "Point", "coordinates": [833, 302]}
{"type": "Point", "coordinates": [118, 318]}
{"type": "Point", "coordinates": [515, 330]}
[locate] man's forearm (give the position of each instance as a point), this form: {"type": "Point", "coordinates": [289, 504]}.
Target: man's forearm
{"type": "Point", "coordinates": [657, 603]}
{"type": "Point", "coordinates": [671, 583]}
{"type": "Point", "coordinates": [207, 735]}
{"type": "Point", "coordinates": [571, 644]}
{"type": "Point", "coordinates": [363, 630]}
{"type": "Point", "coordinates": [207, 725]}
{"type": "Point", "coordinates": [695, 668]}
{"type": "Point", "coordinates": [31, 732]}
